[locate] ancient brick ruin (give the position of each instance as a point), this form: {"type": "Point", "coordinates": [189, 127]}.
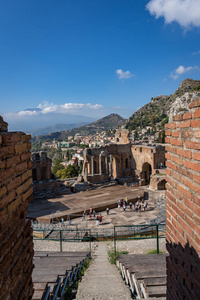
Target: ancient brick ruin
{"type": "Point", "coordinates": [122, 136]}
{"type": "Point", "coordinates": [183, 204]}
{"type": "Point", "coordinates": [41, 166]}
{"type": "Point", "coordinates": [45, 185]}
{"type": "Point", "coordinates": [120, 160]}
{"type": "Point", "coordinates": [16, 247]}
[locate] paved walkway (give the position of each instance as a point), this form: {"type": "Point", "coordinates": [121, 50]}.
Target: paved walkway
{"type": "Point", "coordinates": [102, 281]}
{"type": "Point", "coordinates": [75, 203]}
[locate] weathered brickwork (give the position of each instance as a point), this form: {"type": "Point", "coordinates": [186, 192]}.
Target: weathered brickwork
{"type": "Point", "coordinates": [41, 166]}
{"type": "Point", "coordinates": [123, 160]}
{"type": "Point", "coordinates": [16, 243]}
{"type": "Point", "coordinates": [183, 204]}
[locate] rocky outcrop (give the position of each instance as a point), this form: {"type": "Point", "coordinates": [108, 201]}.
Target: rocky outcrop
{"type": "Point", "coordinates": [181, 104]}
{"type": "Point", "coordinates": [159, 108]}
{"type": "Point", "coordinates": [3, 125]}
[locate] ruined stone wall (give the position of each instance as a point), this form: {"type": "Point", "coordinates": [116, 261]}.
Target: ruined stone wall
{"type": "Point", "coordinates": [183, 204]}
{"type": "Point", "coordinates": [112, 161]}
{"type": "Point", "coordinates": [16, 243]}
{"type": "Point", "coordinates": [41, 166]}
{"type": "Point", "coordinates": [151, 155]}
{"type": "Point", "coordinates": [122, 136]}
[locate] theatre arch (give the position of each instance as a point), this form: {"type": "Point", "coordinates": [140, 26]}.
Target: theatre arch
{"type": "Point", "coordinates": [146, 172]}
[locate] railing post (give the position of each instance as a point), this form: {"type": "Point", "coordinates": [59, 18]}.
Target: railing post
{"type": "Point", "coordinates": [60, 240]}
{"type": "Point", "coordinates": [157, 238]}
{"type": "Point", "coordinates": [90, 242]}
{"type": "Point", "coordinates": [114, 241]}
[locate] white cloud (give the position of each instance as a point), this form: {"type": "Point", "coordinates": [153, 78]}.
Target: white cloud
{"type": "Point", "coordinates": [66, 108]}
{"type": "Point", "coordinates": [185, 12]}
{"type": "Point", "coordinates": [196, 53]}
{"type": "Point", "coordinates": [47, 114]}
{"type": "Point", "coordinates": [123, 75]}
{"type": "Point", "coordinates": [43, 105]}
{"type": "Point", "coordinates": [27, 113]}
{"type": "Point", "coordinates": [181, 70]}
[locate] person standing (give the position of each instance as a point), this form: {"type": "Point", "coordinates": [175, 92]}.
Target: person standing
{"type": "Point", "coordinates": [84, 214]}
{"type": "Point", "coordinates": [119, 206]}
{"type": "Point", "coordinates": [107, 210]}
{"type": "Point", "coordinates": [124, 207]}
{"type": "Point", "coordinates": [90, 210]}
{"type": "Point", "coordinates": [100, 218]}
{"type": "Point", "coordinates": [145, 205]}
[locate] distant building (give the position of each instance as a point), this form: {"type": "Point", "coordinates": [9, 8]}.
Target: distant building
{"type": "Point", "coordinates": [64, 145]}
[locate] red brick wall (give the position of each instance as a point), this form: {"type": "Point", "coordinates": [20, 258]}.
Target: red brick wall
{"type": "Point", "coordinates": [16, 243]}
{"type": "Point", "coordinates": [183, 204]}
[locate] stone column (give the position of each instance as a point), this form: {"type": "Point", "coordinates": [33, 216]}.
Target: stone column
{"type": "Point", "coordinates": [92, 165]}
{"type": "Point", "coordinates": [86, 169]}
{"type": "Point", "coordinates": [111, 167]}
{"type": "Point", "coordinates": [106, 162]}
{"type": "Point", "coordinates": [100, 167]}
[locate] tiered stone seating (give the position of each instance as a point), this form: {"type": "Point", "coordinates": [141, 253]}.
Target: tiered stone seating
{"type": "Point", "coordinates": [54, 271]}
{"type": "Point", "coordinates": [145, 274]}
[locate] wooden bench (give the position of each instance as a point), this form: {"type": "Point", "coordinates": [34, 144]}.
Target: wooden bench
{"type": "Point", "coordinates": [55, 270]}
{"type": "Point", "coordinates": [145, 273]}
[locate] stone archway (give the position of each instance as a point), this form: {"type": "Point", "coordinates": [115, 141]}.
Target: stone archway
{"type": "Point", "coordinates": [34, 174]}
{"type": "Point", "coordinates": [146, 172]}
{"type": "Point", "coordinates": [43, 173]}
{"type": "Point", "coordinates": [161, 185]}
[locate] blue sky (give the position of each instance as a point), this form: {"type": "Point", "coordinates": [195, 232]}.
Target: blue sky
{"type": "Point", "coordinates": [92, 58]}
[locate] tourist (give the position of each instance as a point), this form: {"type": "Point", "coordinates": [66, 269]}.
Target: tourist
{"type": "Point", "coordinates": [107, 210]}
{"type": "Point", "coordinates": [126, 201]}
{"type": "Point", "coordinates": [90, 210]}
{"type": "Point", "coordinates": [130, 205]}
{"type": "Point", "coordinates": [100, 218]}
{"type": "Point", "coordinates": [121, 202]}
{"type": "Point", "coordinates": [84, 214]}
{"type": "Point", "coordinates": [145, 205]}
{"type": "Point", "coordinates": [124, 207]}
{"type": "Point", "coordinates": [119, 206]}
{"type": "Point", "coordinates": [137, 206]}
{"type": "Point", "coordinates": [90, 216]}
{"type": "Point", "coordinates": [140, 206]}
{"type": "Point", "coordinates": [94, 213]}
{"type": "Point", "coordinates": [97, 220]}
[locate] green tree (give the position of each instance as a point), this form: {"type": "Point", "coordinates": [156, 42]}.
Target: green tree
{"type": "Point", "coordinates": [136, 135]}
{"type": "Point", "coordinates": [70, 171]}
{"type": "Point", "coordinates": [57, 165]}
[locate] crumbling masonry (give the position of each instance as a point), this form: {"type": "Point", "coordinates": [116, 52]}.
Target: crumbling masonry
{"type": "Point", "coordinates": [122, 159]}
{"type": "Point", "coordinates": [16, 243]}
{"type": "Point", "coordinates": [183, 205]}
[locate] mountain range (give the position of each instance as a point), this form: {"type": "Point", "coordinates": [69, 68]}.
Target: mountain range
{"type": "Point", "coordinates": [55, 128]}
{"type": "Point", "coordinates": [107, 123]}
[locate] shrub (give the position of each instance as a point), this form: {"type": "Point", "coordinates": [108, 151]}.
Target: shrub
{"type": "Point", "coordinates": [113, 256]}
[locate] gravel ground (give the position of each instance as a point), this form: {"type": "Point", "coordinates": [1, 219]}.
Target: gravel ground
{"type": "Point", "coordinates": [139, 246]}
{"type": "Point", "coordinates": [41, 245]}
{"type": "Point", "coordinates": [133, 246]}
